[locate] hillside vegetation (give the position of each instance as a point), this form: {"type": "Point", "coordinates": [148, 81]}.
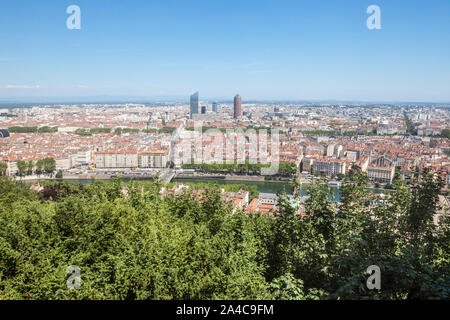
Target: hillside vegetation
{"type": "Point", "coordinates": [140, 246]}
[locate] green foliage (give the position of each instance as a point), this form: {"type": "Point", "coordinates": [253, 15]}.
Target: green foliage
{"type": "Point", "coordinates": [285, 169]}
{"type": "Point", "coordinates": [99, 130]}
{"type": "Point", "coordinates": [167, 130]}
{"type": "Point", "coordinates": [3, 168]}
{"type": "Point", "coordinates": [59, 174]}
{"type": "Point", "coordinates": [445, 133]}
{"type": "Point", "coordinates": [287, 287]}
{"type": "Point", "coordinates": [39, 167]}
{"type": "Point", "coordinates": [319, 132]}
{"type": "Point", "coordinates": [119, 131]}
{"type": "Point", "coordinates": [91, 131]}
{"type": "Point", "coordinates": [45, 129]}
{"type": "Point", "coordinates": [8, 115]}
{"type": "Point", "coordinates": [83, 132]}
{"type": "Point", "coordinates": [21, 167]}
{"type": "Point", "coordinates": [137, 246]}
{"type": "Point", "coordinates": [253, 190]}
{"type": "Point", "coordinates": [17, 129]}
{"type": "Point", "coordinates": [205, 128]}
{"type": "Point", "coordinates": [410, 126]}
{"type": "Point", "coordinates": [130, 243]}
{"type": "Point", "coordinates": [49, 165]}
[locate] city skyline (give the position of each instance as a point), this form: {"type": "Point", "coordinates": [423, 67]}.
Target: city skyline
{"type": "Point", "coordinates": [252, 151]}
{"type": "Point", "coordinates": [157, 51]}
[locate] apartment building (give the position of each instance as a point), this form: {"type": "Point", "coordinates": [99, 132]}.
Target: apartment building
{"type": "Point", "coordinates": [128, 160]}
{"type": "Point", "coordinates": [330, 166]}
{"type": "Point", "coordinates": [381, 170]}
{"type": "Point", "coordinates": [116, 159]}
{"type": "Point", "coordinates": [63, 163]}
{"type": "Point", "coordinates": [82, 157]}
{"type": "Point", "coordinates": [152, 159]}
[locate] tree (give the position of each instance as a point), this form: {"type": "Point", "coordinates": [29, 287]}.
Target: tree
{"type": "Point", "coordinates": [446, 133]}
{"type": "Point", "coordinates": [39, 167]}
{"type": "Point", "coordinates": [410, 126]}
{"type": "Point", "coordinates": [3, 168]}
{"type": "Point", "coordinates": [287, 287]}
{"type": "Point", "coordinates": [49, 165]}
{"type": "Point", "coordinates": [21, 167]}
{"type": "Point", "coordinates": [400, 237]}
{"type": "Point", "coordinates": [140, 245]}
{"type": "Point", "coordinates": [59, 174]}
{"type": "Point", "coordinates": [30, 166]}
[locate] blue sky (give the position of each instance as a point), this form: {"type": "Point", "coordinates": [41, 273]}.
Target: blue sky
{"type": "Point", "coordinates": [261, 49]}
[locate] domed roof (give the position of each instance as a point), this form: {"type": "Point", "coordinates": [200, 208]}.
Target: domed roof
{"type": "Point", "coordinates": [4, 133]}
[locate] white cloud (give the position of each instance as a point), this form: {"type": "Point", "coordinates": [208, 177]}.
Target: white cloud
{"type": "Point", "coordinates": [11, 86]}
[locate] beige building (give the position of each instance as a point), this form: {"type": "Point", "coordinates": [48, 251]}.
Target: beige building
{"type": "Point", "coordinates": [381, 170]}
{"type": "Point", "coordinates": [152, 159]}
{"type": "Point", "coordinates": [63, 163]}
{"type": "Point", "coordinates": [116, 160]}
{"type": "Point", "coordinates": [12, 168]}
{"type": "Point", "coordinates": [82, 157]}
{"type": "Point", "coordinates": [128, 160]}
{"type": "Point", "coordinates": [330, 166]}
{"type": "Point", "coordinates": [307, 163]}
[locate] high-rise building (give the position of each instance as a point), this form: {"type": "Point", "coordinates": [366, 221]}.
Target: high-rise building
{"type": "Point", "coordinates": [203, 109]}
{"type": "Point", "coordinates": [194, 104]}
{"type": "Point", "coordinates": [237, 106]}
{"type": "Point", "coordinates": [214, 107]}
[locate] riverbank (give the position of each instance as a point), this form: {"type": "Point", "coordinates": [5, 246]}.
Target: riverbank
{"type": "Point", "coordinates": [220, 177]}
{"type": "Point", "coordinates": [66, 177]}
{"type": "Point", "coordinates": [261, 185]}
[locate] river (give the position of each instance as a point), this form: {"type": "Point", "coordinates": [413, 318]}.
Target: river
{"type": "Point", "coordinates": [262, 186]}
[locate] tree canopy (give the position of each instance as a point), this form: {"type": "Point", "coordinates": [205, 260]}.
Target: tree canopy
{"type": "Point", "coordinates": [130, 243]}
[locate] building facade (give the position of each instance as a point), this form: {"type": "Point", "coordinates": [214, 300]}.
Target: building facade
{"type": "Point", "coordinates": [381, 170]}
{"type": "Point", "coordinates": [237, 106]}
{"type": "Point", "coordinates": [194, 104]}
{"type": "Point", "coordinates": [330, 167]}
{"type": "Point", "coordinates": [127, 160]}
{"type": "Point", "coordinates": [152, 159]}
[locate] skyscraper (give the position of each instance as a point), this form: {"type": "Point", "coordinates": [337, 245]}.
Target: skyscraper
{"type": "Point", "coordinates": [237, 106]}
{"type": "Point", "coordinates": [194, 104]}
{"type": "Point", "coordinates": [214, 107]}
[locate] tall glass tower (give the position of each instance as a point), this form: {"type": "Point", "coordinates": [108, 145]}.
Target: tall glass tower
{"type": "Point", "coordinates": [194, 104]}
{"type": "Point", "coordinates": [237, 106]}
